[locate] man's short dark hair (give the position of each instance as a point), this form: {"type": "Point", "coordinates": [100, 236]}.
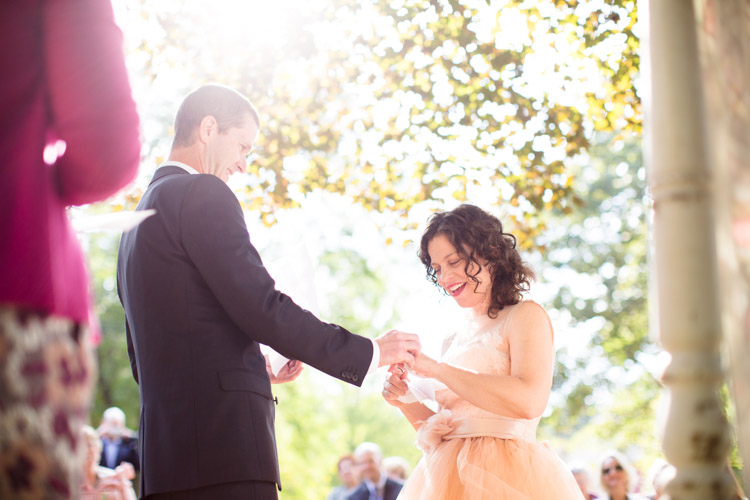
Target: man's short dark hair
{"type": "Point", "coordinates": [226, 105]}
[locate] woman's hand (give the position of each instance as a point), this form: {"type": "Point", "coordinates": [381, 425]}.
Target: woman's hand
{"type": "Point", "coordinates": [126, 470]}
{"type": "Point", "coordinates": [426, 366]}
{"type": "Point", "coordinates": [290, 371]}
{"type": "Point", "coordinates": [395, 385]}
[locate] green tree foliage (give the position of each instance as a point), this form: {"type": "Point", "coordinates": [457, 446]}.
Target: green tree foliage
{"type": "Point", "coordinates": [314, 427]}
{"type": "Point", "coordinates": [605, 240]}
{"type": "Point", "coordinates": [115, 384]}
{"type": "Point", "coordinates": [409, 101]}
{"type": "Point", "coordinates": [360, 292]}
{"type": "Point", "coordinates": [317, 422]}
{"type": "Point", "coordinates": [465, 82]}
{"type": "Point", "coordinates": [599, 254]}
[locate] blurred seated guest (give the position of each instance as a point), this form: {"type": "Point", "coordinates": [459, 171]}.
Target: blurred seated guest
{"type": "Point", "coordinates": [397, 468]}
{"type": "Point", "coordinates": [376, 484]}
{"type": "Point", "coordinates": [119, 444]}
{"type": "Point", "coordinates": [659, 475]}
{"type": "Point", "coordinates": [101, 483]}
{"type": "Point", "coordinates": [349, 477]}
{"type": "Point", "coordinates": [581, 476]}
{"type": "Point", "coordinates": [619, 477]}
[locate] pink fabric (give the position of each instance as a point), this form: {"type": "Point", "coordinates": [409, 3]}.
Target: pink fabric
{"type": "Point", "coordinates": [432, 432]}
{"type": "Point", "coordinates": [443, 426]}
{"type": "Point", "coordinates": [63, 78]}
{"type": "Point", "coordinates": [473, 454]}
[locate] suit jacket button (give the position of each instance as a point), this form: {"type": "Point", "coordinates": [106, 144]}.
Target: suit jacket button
{"type": "Point", "coordinates": [355, 377]}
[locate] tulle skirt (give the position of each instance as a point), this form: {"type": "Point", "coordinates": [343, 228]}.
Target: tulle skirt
{"type": "Point", "coordinates": [490, 468]}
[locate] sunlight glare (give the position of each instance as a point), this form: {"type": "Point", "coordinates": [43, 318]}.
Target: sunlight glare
{"type": "Point", "coordinates": [253, 18]}
{"type": "Point", "coordinates": [53, 151]}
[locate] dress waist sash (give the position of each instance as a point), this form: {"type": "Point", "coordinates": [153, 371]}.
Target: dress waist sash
{"type": "Point", "coordinates": [505, 428]}
{"type": "Point", "coordinates": [442, 426]}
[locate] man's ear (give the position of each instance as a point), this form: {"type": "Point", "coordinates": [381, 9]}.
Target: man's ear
{"type": "Point", "coordinates": [207, 128]}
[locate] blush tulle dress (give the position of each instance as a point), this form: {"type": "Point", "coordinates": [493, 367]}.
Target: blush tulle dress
{"type": "Point", "coordinates": [473, 454]}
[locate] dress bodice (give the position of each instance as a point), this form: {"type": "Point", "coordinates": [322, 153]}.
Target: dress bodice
{"type": "Point", "coordinates": [473, 453]}
{"type": "Point", "coordinates": [481, 346]}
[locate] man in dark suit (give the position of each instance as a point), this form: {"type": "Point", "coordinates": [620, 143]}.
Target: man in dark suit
{"type": "Point", "coordinates": [119, 443]}
{"type": "Point", "coordinates": [376, 484]}
{"type": "Point", "coordinates": [198, 302]}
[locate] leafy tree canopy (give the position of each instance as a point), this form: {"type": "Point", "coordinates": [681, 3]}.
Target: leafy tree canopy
{"type": "Point", "coordinates": [400, 103]}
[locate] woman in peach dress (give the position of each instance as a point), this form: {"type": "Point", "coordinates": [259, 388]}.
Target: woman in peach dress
{"type": "Point", "coordinates": [493, 379]}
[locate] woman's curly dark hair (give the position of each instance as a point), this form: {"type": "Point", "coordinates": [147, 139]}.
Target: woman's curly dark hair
{"type": "Point", "coordinates": [478, 235]}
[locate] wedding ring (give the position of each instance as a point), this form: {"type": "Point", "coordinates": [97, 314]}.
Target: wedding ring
{"type": "Point", "coordinates": [402, 370]}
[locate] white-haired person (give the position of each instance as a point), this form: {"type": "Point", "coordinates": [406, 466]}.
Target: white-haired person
{"type": "Point", "coordinates": [619, 477]}
{"type": "Point", "coordinates": [119, 444]}
{"type": "Point", "coordinates": [375, 482]}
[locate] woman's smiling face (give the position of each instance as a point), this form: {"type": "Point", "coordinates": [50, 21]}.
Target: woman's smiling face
{"type": "Point", "coordinates": [614, 477]}
{"type": "Point", "coordinates": [451, 274]}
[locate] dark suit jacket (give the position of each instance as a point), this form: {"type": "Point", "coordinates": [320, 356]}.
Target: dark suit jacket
{"type": "Point", "coordinates": [127, 451]}
{"type": "Point", "coordinates": [392, 489]}
{"type": "Point", "coordinates": [198, 302]}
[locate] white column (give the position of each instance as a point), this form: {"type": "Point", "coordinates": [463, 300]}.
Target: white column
{"type": "Point", "coordinates": [696, 435]}
{"type": "Point", "coordinates": [724, 40]}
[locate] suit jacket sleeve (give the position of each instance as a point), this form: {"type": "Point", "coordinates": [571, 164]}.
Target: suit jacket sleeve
{"type": "Point", "coordinates": [216, 240]}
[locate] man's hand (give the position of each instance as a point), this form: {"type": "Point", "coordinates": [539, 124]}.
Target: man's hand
{"type": "Point", "coordinates": [398, 347]}
{"type": "Point", "coordinates": [290, 371]}
{"type": "Point", "coordinates": [125, 470]}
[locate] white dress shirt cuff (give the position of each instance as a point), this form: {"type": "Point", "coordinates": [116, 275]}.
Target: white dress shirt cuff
{"type": "Point", "coordinates": [375, 357]}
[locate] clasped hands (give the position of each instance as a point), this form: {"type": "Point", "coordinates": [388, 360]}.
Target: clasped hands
{"type": "Point", "coordinates": [396, 385]}
{"type": "Point", "coordinates": [396, 348]}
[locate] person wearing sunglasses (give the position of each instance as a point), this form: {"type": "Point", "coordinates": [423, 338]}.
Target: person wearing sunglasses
{"type": "Point", "coordinates": [619, 478]}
